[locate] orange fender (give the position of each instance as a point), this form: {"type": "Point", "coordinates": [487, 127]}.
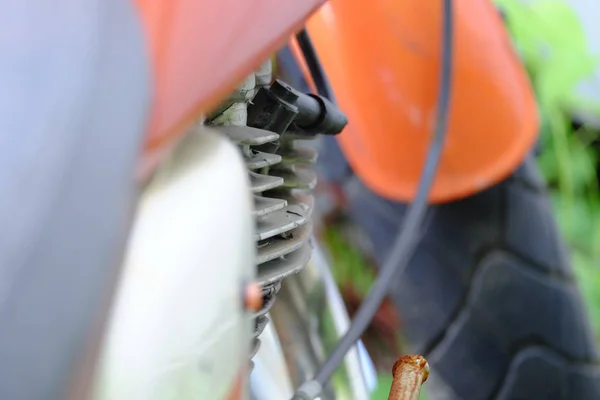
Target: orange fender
{"type": "Point", "coordinates": [383, 60]}
{"type": "Point", "coordinates": [200, 49]}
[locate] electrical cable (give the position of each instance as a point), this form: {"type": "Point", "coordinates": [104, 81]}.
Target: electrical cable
{"type": "Point", "coordinates": [314, 66]}
{"type": "Point", "coordinates": [407, 239]}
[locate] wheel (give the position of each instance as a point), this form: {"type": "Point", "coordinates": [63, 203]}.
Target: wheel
{"type": "Point", "coordinates": [489, 297]}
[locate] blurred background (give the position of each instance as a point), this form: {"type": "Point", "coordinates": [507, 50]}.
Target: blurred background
{"type": "Point", "coordinates": [559, 43]}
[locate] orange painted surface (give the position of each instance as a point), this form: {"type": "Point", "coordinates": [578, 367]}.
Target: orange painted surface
{"type": "Point", "coordinates": [383, 61]}
{"type": "Point", "coordinates": [201, 48]}
{"type": "Point", "coordinates": [238, 388]}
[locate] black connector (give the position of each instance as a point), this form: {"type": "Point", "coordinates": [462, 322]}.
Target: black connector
{"type": "Point", "coordinates": [274, 108]}
{"type": "Point", "coordinates": [316, 114]}
{"type": "Point", "coordinates": [277, 107]}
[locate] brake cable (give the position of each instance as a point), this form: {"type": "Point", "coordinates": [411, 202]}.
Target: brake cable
{"type": "Point", "coordinates": [407, 239]}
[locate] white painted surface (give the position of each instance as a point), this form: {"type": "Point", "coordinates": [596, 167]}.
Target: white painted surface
{"type": "Point", "coordinates": [178, 330]}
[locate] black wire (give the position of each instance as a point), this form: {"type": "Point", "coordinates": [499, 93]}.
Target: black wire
{"type": "Point", "coordinates": [407, 240]}
{"type": "Point", "coordinates": [323, 89]}
{"type": "Point", "coordinates": [314, 66]}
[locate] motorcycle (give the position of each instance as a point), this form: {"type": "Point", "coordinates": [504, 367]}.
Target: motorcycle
{"type": "Point", "coordinates": [159, 211]}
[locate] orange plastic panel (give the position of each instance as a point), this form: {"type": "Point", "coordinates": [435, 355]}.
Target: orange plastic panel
{"type": "Point", "coordinates": [383, 61]}
{"type": "Point", "coordinates": [201, 48]}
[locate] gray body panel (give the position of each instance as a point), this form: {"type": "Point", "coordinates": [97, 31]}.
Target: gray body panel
{"type": "Point", "coordinates": [74, 97]}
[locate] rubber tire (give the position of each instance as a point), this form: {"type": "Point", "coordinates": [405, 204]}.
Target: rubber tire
{"type": "Point", "coordinates": [489, 297]}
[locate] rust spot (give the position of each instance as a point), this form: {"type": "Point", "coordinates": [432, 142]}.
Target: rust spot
{"type": "Point", "coordinates": [409, 373]}
{"type": "Point", "coordinates": [253, 300]}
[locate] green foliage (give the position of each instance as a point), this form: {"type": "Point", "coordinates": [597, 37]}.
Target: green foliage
{"type": "Point", "coordinates": [384, 382]}
{"type": "Point", "coordinates": [349, 265]}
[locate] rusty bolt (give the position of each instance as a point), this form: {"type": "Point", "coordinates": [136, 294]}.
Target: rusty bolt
{"type": "Point", "coordinates": [409, 373]}
{"type": "Point", "coordinates": [253, 300]}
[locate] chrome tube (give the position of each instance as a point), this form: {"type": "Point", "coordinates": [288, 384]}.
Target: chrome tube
{"type": "Point", "coordinates": [309, 317]}
{"type": "Point", "coordinates": [358, 362]}
{"type": "Point", "coordinates": [270, 378]}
